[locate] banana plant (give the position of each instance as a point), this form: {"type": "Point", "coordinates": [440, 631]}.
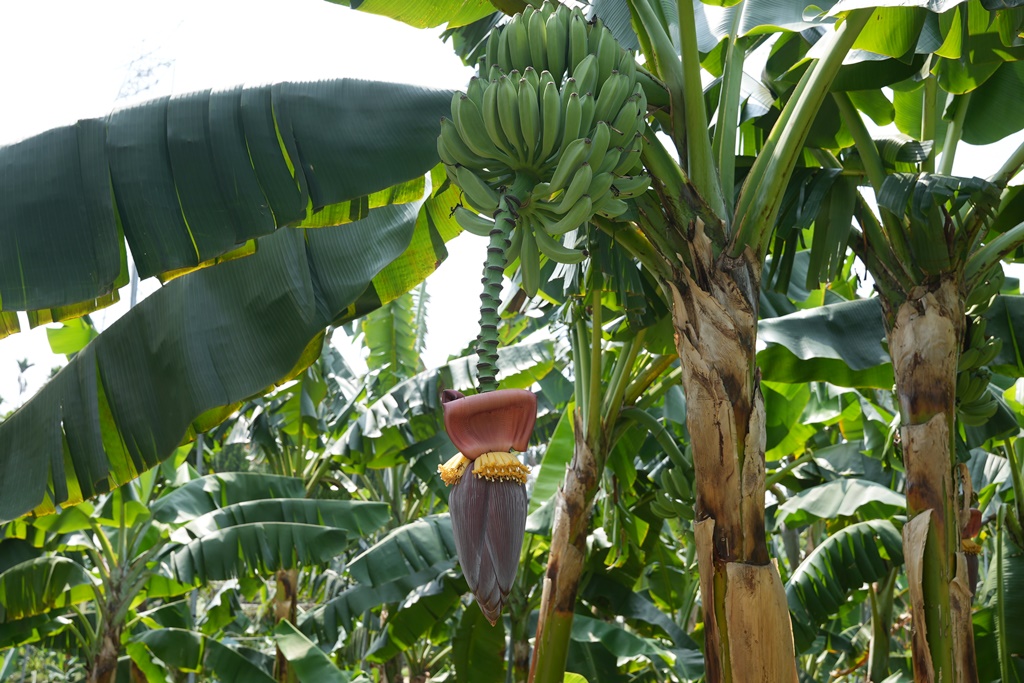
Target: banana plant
{"type": "Point", "coordinates": [934, 246]}
{"type": "Point", "coordinates": [137, 545]}
{"type": "Point", "coordinates": [703, 243]}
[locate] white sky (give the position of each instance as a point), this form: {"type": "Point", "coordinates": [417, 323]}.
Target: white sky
{"type": "Point", "coordinates": [65, 60]}
{"type": "Point", "coordinates": [62, 61]}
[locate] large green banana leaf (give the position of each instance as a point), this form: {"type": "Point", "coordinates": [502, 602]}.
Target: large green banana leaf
{"type": "Point", "coordinates": [201, 344]}
{"type": "Point", "coordinates": [183, 650]}
{"type": "Point", "coordinates": [41, 584]}
{"type": "Point", "coordinates": [188, 180]}
{"type": "Point", "coordinates": [400, 563]}
{"type": "Point", "coordinates": [858, 554]}
{"type": "Point", "coordinates": [309, 664]}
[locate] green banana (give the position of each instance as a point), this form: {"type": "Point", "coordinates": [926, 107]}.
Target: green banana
{"type": "Point", "coordinates": [550, 119]}
{"type": "Point", "coordinates": [977, 337]}
{"type": "Point", "coordinates": [573, 218]}
{"type": "Point", "coordinates": [555, 250]}
{"type": "Point", "coordinates": [601, 138]}
{"type": "Point", "coordinates": [631, 186]}
{"type": "Point", "coordinates": [978, 413]}
{"type": "Point", "coordinates": [600, 184]}
{"type": "Point", "coordinates": [575, 154]}
{"type": "Point", "coordinates": [469, 123]}
{"type": "Point", "coordinates": [529, 260]}
{"type": "Point", "coordinates": [508, 116]}
{"type": "Point", "coordinates": [578, 40]}
{"type": "Point", "coordinates": [538, 41]}
{"type": "Point", "coordinates": [571, 118]}
{"type": "Point", "coordinates": [456, 150]}
{"type": "Point", "coordinates": [504, 63]}
{"type": "Point", "coordinates": [613, 94]}
{"type": "Point", "coordinates": [578, 186]}
{"type": "Point", "coordinates": [611, 207]}
{"type": "Point", "coordinates": [662, 507]}
{"type": "Point", "coordinates": [626, 123]}
{"type": "Point", "coordinates": [472, 222]}
{"type": "Point", "coordinates": [529, 119]}
{"type": "Point", "coordinates": [676, 484]}
{"type": "Point", "coordinates": [587, 116]}
{"type": "Point", "coordinates": [608, 52]}
{"type": "Point", "coordinates": [990, 350]}
{"type": "Point", "coordinates": [585, 74]}
{"type": "Point", "coordinates": [545, 78]}
{"type": "Point", "coordinates": [629, 159]}
{"type": "Point", "coordinates": [611, 160]}
{"type": "Point", "coordinates": [475, 90]}
{"type": "Point", "coordinates": [492, 122]}
{"type": "Point", "coordinates": [491, 53]}
{"type": "Point", "coordinates": [480, 195]}
{"type": "Point", "coordinates": [557, 36]}
{"type": "Point", "coordinates": [495, 71]}
{"type": "Point", "coordinates": [518, 42]}
{"type": "Point", "coordinates": [969, 359]}
{"type": "Point", "coordinates": [532, 76]}
{"type": "Point", "coordinates": [627, 65]}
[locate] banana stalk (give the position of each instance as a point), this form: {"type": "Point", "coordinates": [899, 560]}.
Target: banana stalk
{"type": "Point", "coordinates": [490, 299]}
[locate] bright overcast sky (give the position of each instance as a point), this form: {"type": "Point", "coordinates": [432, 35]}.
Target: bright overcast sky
{"type": "Point", "coordinates": [68, 60]}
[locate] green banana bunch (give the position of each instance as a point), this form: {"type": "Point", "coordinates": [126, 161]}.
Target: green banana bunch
{"type": "Point", "coordinates": [975, 403]}
{"type": "Point", "coordinates": [556, 108]}
{"type": "Point", "coordinates": [675, 500]}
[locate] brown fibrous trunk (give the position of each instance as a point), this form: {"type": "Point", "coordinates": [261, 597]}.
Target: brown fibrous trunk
{"type": "Point", "coordinates": [568, 542]}
{"type": "Point", "coordinates": [925, 334]}
{"type": "Point", "coordinates": [748, 636]}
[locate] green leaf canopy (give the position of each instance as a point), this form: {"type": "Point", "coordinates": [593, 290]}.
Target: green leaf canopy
{"type": "Point", "coordinates": [190, 178]}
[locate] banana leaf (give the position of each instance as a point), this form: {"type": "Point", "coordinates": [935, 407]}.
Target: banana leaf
{"type": "Point", "coordinates": [187, 355]}
{"type": "Point", "coordinates": [841, 498]}
{"type": "Point", "coordinates": [308, 663]}
{"type": "Point", "coordinates": [478, 649]}
{"type": "Point", "coordinates": [263, 547]}
{"type": "Point", "coordinates": [206, 494]}
{"type": "Point", "coordinates": [41, 584]}
{"type": "Point", "coordinates": [843, 563]}
{"type": "Point", "coordinates": [189, 179]}
{"type": "Point", "coordinates": [190, 651]}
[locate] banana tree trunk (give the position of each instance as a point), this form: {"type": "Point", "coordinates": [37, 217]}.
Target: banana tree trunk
{"type": "Point", "coordinates": [285, 609]}
{"type": "Point", "coordinates": [104, 665]}
{"type": "Point", "coordinates": [924, 341]}
{"type": "Point", "coordinates": [748, 635]}
{"type": "Point", "coordinates": [565, 563]}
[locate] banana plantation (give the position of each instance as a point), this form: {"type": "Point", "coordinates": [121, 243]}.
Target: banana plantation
{"type": "Point", "coordinates": [746, 404]}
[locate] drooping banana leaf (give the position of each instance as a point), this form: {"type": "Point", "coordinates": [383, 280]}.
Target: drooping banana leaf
{"type": "Point", "coordinates": [186, 650]}
{"type": "Point", "coordinates": [841, 498]}
{"type": "Point", "coordinates": [478, 649]}
{"type": "Point", "coordinates": [417, 614]}
{"type": "Point", "coordinates": [39, 585]}
{"type": "Point", "coordinates": [214, 491]}
{"type": "Point", "coordinates": [185, 356]}
{"type": "Point", "coordinates": [359, 518]}
{"type": "Point", "coordinates": [190, 179]}
{"type": "Point", "coordinates": [838, 343]}
{"type": "Point", "coordinates": [265, 547]}
{"type": "Point", "coordinates": [425, 543]}
{"type": "Point", "coordinates": [308, 663]}
{"type": "Point", "coordinates": [845, 561]}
